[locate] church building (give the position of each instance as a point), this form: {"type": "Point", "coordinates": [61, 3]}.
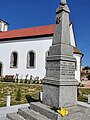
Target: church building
{"type": "Point", "coordinates": [24, 51]}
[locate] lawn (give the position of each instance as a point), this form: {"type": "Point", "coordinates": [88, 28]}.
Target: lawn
{"type": "Point", "coordinates": [83, 94]}
{"type": "Point", "coordinates": [12, 88]}
{"type": "Point", "coordinates": [30, 90]}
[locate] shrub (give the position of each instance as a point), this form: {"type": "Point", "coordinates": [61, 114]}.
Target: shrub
{"type": "Point", "coordinates": [29, 81]}
{"type": "Point", "coordinates": [18, 95]}
{"type": "Point", "coordinates": [1, 80]}
{"type": "Point", "coordinates": [9, 78]}
{"type": "Point", "coordinates": [25, 81]}
{"type": "Point", "coordinates": [21, 81]}
{"type": "Point", "coordinates": [16, 81]}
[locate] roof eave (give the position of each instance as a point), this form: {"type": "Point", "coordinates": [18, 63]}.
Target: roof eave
{"type": "Point", "coordinates": [26, 37]}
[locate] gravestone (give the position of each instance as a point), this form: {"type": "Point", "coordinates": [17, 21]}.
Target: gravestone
{"type": "Point", "coordinates": [60, 86]}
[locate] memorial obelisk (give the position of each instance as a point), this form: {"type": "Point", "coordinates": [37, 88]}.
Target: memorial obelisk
{"type": "Point", "coordinates": [60, 86]}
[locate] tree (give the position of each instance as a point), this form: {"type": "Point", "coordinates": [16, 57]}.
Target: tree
{"type": "Point", "coordinates": [86, 68]}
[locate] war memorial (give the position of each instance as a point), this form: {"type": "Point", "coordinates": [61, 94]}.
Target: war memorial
{"type": "Point", "coordinates": [59, 84]}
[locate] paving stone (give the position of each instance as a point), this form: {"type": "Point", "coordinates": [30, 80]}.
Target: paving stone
{"type": "Point", "coordinates": [78, 113]}
{"type": "Point", "coordinates": [14, 116]}
{"type": "Point", "coordinates": [3, 118]}
{"type": "Point", "coordinates": [29, 114]}
{"type": "Point", "coordinates": [44, 110]}
{"type": "Point", "coordinates": [39, 111]}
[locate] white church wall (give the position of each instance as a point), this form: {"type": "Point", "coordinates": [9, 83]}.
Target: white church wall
{"type": "Point", "coordinates": [78, 64]}
{"type": "Point", "coordinates": [39, 45]}
{"type": "Point", "coordinates": [72, 38]}
{"type": "Point", "coordinates": [3, 26]}
{"type": "Point", "coordinates": [22, 46]}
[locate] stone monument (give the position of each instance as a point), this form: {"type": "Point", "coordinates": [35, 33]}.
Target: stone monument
{"type": "Point", "coordinates": [60, 86]}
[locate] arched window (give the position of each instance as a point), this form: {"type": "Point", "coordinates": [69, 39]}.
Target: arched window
{"type": "Point", "coordinates": [31, 59]}
{"type": "Point", "coordinates": [14, 60]}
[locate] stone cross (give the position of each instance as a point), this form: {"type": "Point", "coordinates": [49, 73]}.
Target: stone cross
{"type": "Point", "coordinates": [60, 86]}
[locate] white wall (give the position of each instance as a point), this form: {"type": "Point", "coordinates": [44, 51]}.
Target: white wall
{"type": "Point", "coordinates": [3, 26]}
{"type": "Point", "coordinates": [78, 67]}
{"type": "Point", "coordinates": [22, 46]}
{"type": "Point", "coordinates": [72, 39]}
{"type": "Point", "coordinates": [40, 46]}
{"type": "Point", "coordinates": [77, 56]}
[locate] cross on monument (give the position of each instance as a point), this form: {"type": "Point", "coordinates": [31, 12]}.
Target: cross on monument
{"type": "Point", "coordinates": [60, 86]}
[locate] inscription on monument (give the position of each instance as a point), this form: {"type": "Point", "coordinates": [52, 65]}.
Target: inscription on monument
{"type": "Point", "coordinates": [67, 69]}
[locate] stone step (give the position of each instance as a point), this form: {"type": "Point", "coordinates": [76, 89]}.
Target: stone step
{"type": "Point", "coordinates": [3, 118]}
{"type": "Point", "coordinates": [29, 114]}
{"type": "Point", "coordinates": [14, 116]}
{"type": "Point", "coordinates": [44, 110]}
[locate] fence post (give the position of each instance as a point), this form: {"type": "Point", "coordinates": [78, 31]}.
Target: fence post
{"type": "Point", "coordinates": [8, 100]}
{"type": "Point", "coordinates": [89, 99]}
{"type": "Point", "coordinates": [40, 96]}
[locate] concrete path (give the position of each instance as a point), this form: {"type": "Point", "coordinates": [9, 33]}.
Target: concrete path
{"type": "Point", "coordinates": [83, 104]}
{"type": "Point", "coordinates": [11, 109]}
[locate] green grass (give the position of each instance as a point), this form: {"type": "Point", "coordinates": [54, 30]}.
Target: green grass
{"type": "Point", "coordinates": [31, 90]}
{"type": "Point", "coordinates": [83, 93]}
{"type": "Point", "coordinates": [25, 89]}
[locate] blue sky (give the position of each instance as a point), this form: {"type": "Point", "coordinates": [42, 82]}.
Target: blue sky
{"type": "Point", "coordinates": [29, 13]}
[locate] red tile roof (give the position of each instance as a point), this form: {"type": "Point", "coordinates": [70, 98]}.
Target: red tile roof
{"type": "Point", "coordinates": [31, 32]}
{"type": "Point", "coordinates": [28, 32]}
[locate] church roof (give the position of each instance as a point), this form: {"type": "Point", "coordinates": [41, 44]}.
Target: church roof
{"type": "Point", "coordinates": [39, 31]}
{"type": "Point", "coordinates": [28, 32]}
{"type": "Point", "coordinates": [76, 51]}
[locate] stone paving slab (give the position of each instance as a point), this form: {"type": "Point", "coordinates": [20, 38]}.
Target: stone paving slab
{"type": "Point", "coordinates": [11, 109]}
{"type": "Point", "coordinates": [78, 113]}
{"type": "Point", "coordinates": [3, 118]}
{"type": "Point", "coordinates": [14, 116]}
{"type": "Point", "coordinates": [82, 112]}
{"type": "Point", "coordinates": [83, 104]}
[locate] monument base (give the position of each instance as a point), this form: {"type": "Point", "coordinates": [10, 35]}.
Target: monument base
{"type": "Point", "coordinates": [63, 95]}
{"type": "Point", "coordinates": [59, 85]}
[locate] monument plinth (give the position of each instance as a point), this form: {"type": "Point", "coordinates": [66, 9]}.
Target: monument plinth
{"type": "Point", "coordinates": [60, 86]}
